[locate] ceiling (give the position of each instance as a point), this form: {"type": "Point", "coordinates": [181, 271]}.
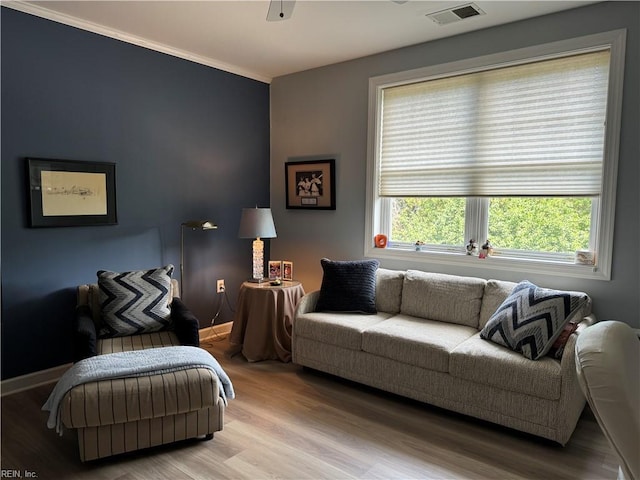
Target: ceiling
{"type": "Point", "coordinates": [234, 36]}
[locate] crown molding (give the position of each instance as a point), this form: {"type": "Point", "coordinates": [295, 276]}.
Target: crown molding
{"type": "Point", "coordinates": [42, 12]}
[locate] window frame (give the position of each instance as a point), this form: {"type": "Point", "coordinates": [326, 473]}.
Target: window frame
{"type": "Point", "coordinates": [377, 216]}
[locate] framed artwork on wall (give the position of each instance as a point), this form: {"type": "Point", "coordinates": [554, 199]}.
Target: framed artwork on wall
{"type": "Point", "coordinates": [311, 184]}
{"type": "Point", "coordinates": [69, 193]}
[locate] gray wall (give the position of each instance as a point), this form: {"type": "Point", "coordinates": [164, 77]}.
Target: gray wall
{"type": "Point", "coordinates": [324, 112]}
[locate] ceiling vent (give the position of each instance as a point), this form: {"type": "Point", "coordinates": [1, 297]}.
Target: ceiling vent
{"type": "Point", "coordinates": [455, 14]}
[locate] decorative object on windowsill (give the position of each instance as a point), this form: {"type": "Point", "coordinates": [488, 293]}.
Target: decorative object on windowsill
{"type": "Point", "coordinates": [193, 225]}
{"type": "Point", "coordinates": [257, 223]}
{"type": "Point", "coordinates": [380, 241]}
{"type": "Point", "coordinates": [472, 247]}
{"type": "Point", "coordinates": [287, 271]}
{"type": "Point", "coordinates": [419, 244]}
{"type": "Point", "coordinates": [585, 257]}
{"type": "Point", "coordinates": [487, 249]}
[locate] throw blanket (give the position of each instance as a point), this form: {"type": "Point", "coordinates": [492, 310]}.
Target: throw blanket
{"type": "Point", "coordinates": [138, 363]}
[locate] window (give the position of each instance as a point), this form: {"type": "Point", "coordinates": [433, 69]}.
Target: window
{"type": "Point", "coordinates": [519, 148]}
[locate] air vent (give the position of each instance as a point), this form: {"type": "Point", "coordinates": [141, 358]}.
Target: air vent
{"type": "Point", "coordinates": [455, 14]}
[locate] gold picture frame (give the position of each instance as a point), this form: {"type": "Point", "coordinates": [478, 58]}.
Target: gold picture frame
{"type": "Point", "coordinates": [287, 271]}
{"type": "Point", "coordinates": [275, 269]}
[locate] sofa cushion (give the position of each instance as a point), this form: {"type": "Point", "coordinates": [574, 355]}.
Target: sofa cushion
{"type": "Point", "coordinates": [531, 318]}
{"type": "Point", "coordinates": [348, 286]}
{"type": "Point", "coordinates": [341, 329]}
{"type": "Point", "coordinates": [429, 295]}
{"type": "Point", "coordinates": [486, 363]}
{"type": "Point", "coordinates": [389, 290]}
{"type": "Point", "coordinates": [415, 341]}
{"type": "Point", "coordinates": [135, 302]}
{"type": "Point", "coordinates": [495, 292]}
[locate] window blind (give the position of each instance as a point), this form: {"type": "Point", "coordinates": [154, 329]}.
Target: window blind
{"type": "Point", "coordinates": [535, 129]}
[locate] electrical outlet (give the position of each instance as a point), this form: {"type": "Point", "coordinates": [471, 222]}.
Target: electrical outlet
{"type": "Point", "coordinates": [220, 286]}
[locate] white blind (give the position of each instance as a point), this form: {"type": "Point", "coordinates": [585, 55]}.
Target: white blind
{"type": "Point", "coordinates": [535, 129]}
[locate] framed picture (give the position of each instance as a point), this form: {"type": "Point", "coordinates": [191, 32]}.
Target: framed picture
{"type": "Point", "coordinates": [275, 269]}
{"type": "Point", "coordinates": [311, 184]}
{"type": "Point", "coordinates": [67, 193]}
{"type": "Point", "coordinates": [287, 271]}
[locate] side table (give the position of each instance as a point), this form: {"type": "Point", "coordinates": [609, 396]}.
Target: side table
{"type": "Point", "coordinates": [263, 319]}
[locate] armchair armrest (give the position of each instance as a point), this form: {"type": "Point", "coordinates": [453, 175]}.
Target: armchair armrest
{"type": "Point", "coordinates": [84, 340]}
{"type": "Point", "coordinates": [185, 325]}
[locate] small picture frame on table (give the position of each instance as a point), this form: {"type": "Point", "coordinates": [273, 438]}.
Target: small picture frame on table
{"type": "Point", "coordinates": [275, 269]}
{"type": "Point", "coordinates": [287, 271]}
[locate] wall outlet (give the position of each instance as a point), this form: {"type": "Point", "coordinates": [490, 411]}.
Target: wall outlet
{"type": "Point", "coordinates": [220, 286]}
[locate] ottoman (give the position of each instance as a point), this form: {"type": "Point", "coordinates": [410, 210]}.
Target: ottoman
{"type": "Point", "coordinates": [125, 414]}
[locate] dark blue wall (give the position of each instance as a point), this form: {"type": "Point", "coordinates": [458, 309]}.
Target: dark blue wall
{"type": "Point", "coordinates": [188, 141]}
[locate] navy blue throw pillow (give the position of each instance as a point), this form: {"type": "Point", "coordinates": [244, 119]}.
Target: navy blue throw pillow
{"type": "Point", "coordinates": [348, 286]}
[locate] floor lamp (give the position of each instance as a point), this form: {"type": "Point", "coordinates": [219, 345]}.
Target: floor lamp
{"type": "Point", "coordinates": [257, 223]}
{"type": "Point", "coordinates": [193, 225]}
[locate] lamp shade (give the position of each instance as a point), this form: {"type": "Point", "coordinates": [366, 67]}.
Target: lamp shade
{"type": "Point", "coordinates": [256, 223]}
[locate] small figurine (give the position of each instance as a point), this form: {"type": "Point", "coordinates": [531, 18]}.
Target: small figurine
{"type": "Point", "coordinates": [472, 247]}
{"type": "Point", "coordinates": [487, 249]}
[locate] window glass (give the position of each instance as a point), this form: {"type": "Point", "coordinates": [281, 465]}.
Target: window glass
{"type": "Point", "coordinates": [433, 221]}
{"type": "Point", "coordinates": [558, 225]}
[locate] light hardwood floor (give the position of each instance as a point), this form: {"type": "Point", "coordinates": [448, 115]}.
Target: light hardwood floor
{"type": "Point", "coordinates": [291, 423]}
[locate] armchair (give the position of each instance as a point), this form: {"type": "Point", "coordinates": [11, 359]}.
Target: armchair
{"type": "Point", "coordinates": [608, 367]}
{"type": "Point", "coordinates": [120, 414]}
{"type": "Point", "coordinates": [183, 330]}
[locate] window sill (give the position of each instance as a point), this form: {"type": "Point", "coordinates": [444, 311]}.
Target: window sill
{"type": "Point", "coordinates": [510, 264]}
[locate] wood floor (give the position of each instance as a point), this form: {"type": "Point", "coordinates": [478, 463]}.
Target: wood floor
{"type": "Point", "coordinates": [290, 423]}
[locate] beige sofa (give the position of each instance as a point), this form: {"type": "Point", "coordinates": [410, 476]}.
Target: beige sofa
{"type": "Point", "coordinates": [424, 343]}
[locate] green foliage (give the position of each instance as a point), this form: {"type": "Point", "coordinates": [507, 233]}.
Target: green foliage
{"type": "Point", "coordinates": [559, 225]}
{"type": "Point", "coordinates": [435, 221]}
{"type": "Point", "coordinates": [540, 224]}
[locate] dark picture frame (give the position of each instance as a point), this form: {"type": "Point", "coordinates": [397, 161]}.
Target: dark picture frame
{"type": "Point", "coordinates": [311, 184]}
{"type": "Point", "coordinates": [71, 193]}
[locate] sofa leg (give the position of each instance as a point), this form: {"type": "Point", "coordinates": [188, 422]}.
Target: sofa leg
{"type": "Point", "coordinates": [208, 436]}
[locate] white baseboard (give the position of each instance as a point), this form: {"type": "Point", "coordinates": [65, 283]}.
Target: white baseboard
{"type": "Point", "coordinates": [32, 380]}
{"type": "Point", "coordinates": [50, 375]}
{"type": "Point", "coordinates": [215, 332]}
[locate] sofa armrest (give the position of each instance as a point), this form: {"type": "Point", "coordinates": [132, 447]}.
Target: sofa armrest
{"type": "Point", "coordinates": [307, 303]}
{"type": "Point", "coordinates": [84, 341]}
{"type": "Point", "coordinates": [185, 325]}
{"type": "Point", "coordinates": [571, 394]}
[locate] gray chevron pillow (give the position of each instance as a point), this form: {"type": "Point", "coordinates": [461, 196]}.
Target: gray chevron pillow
{"type": "Point", "coordinates": [531, 318]}
{"type": "Point", "coordinates": [135, 302]}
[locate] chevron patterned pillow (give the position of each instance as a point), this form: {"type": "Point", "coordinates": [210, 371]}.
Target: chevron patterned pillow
{"type": "Point", "coordinates": [135, 302]}
{"type": "Point", "coordinates": [531, 318]}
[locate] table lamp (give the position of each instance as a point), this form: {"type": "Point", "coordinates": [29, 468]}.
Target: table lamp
{"type": "Point", "coordinates": [193, 225]}
{"type": "Point", "coordinates": [257, 223]}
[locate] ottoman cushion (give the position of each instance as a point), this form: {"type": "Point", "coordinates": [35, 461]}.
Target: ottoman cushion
{"type": "Point", "coordinates": [123, 400]}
